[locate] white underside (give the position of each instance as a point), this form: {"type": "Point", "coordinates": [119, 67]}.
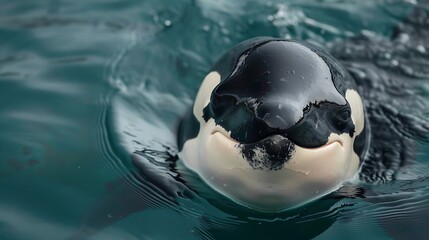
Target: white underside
{"type": "Point", "coordinates": [309, 174]}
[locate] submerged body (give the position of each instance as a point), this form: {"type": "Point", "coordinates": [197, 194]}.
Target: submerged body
{"type": "Point", "coordinates": [275, 124]}
{"type": "Point", "coordinates": [388, 90]}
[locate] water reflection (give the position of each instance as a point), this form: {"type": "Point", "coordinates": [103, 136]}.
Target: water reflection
{"type": "Point", "coordinates": [74, 131]}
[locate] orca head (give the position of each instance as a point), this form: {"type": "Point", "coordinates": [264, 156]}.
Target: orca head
{"type": "Point", "coordinates": [277, 124]}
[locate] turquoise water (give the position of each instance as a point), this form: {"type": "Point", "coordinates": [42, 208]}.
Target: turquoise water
{"type": "Point", "coordinates": [88, 86]}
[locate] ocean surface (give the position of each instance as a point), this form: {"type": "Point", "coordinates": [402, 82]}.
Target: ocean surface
{"type": "Point", "coordinates": [90, 89]}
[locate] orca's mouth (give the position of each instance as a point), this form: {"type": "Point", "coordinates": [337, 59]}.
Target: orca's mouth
{"type": "Point", "coordinates": [274, 151]}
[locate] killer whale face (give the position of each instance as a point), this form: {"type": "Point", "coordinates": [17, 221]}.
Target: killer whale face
{"type": "Point", "coordinates": [275, 124]}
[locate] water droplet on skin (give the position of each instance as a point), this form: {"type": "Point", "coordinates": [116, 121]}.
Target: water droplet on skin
{"type": "Point", "coordinates": [361, 75]}
{"type": "Point", "coordinates": [403, 38]}
{"type": "Point", "coordinates": [167, 23]}
{"type": "Point", "coordinates": [387, 55]}
{"type": "Point", "coordinates": [395, 62]}
{"type": "Point", "coordinates": [421, 49]}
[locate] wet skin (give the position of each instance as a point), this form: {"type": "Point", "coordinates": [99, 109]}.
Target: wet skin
{"type": "Point", "coordinates": [278, 91]}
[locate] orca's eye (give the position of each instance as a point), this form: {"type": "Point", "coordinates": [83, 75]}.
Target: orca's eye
{"type": "Point", "coordinates": [342, 118]}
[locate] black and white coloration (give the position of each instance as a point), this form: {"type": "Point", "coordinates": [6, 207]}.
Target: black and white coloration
{"type": "Point", "coordinates": [275, 124]}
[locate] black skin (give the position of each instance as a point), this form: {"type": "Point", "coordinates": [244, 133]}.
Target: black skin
{"type": "Point", "coordinates": [393, 137]}
{"type": "Point", "coordinates": [264, 90]}
{"type": "Point", "coordinates": [272, 86]}
{"type": "Point", "coordinates": [275, 94]}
